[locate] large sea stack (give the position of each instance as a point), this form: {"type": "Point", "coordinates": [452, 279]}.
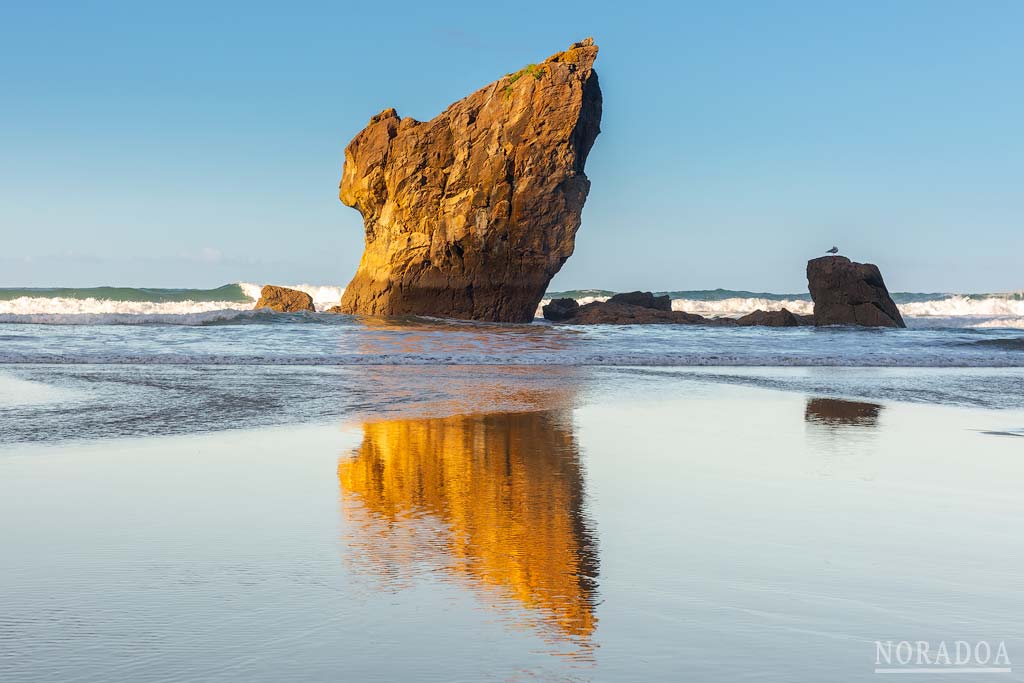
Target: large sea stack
{"type": "Point", "coordinates": [849, 293]}
{"type": "Point", "coordinates": [471, 214]}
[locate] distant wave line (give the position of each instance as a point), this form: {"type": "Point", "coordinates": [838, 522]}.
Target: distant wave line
{"type": "Point", "coordinates": [119, 305]}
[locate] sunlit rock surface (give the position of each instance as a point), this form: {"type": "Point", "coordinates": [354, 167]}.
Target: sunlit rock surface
{"type": "Point", "coordinates": [470, 214]}
{"type": "Point", "coordinates": [284, 300]}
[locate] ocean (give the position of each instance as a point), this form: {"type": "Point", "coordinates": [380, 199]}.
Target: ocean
{"type": "Point", "coordinates": [217, 327]}
{"type": "Point", "coordinates": [203, 492]}
{"type": "Point", "coordinates": [129, 305]}
{"type": "Point", "coordinates": [131, 362]}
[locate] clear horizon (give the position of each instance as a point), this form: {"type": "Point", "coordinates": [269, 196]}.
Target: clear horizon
{"type": "Point", "coordinates": [191, 146]}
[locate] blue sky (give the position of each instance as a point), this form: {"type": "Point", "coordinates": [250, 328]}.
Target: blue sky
{"type": "Point", "coordinates": [194, 144]}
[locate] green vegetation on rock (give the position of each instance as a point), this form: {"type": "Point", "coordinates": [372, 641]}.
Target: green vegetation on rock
{"type": "Point", "coordinates": [534, 70]}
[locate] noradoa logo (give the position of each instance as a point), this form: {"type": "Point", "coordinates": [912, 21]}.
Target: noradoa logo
{"type": "Point", "coordinates": [924, 657]}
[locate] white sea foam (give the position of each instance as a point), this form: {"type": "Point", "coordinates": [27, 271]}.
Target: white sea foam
{"type": "Point", "coordinates": [203, 317]}
{"type": "Point", "coordinates": [92, 311]}
{"type": "Point", "coordinates": [19, 392]}
{"type": "Point", "coordinates": [737, 307]}
{"type": "Point", "coordinates": [993, 311]}
{"type": "Point", "coordinates": [1007, 306]}
{"type": "Point", "coordinates": [42, 306]}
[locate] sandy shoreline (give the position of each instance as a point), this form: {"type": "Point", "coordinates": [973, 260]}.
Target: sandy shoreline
{"type": "Point", "coordinates": [633, 527]}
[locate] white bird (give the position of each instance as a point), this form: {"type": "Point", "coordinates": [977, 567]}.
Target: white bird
{"type": "Point", "coordinates": [833, 250]}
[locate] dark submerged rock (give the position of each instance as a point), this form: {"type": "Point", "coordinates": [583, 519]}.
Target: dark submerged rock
{"type": "Point", "coordinates": [780, 318]}
{"type": "Point", "coordinates": [644, 300]}
{"type": "Point", "coordinates": [561, 309]}
{"type": "Point", "coordinates": [609, 313]}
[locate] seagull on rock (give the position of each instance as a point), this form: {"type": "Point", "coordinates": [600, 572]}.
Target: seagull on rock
{"type": "Point", "coordinates": [833, 251]}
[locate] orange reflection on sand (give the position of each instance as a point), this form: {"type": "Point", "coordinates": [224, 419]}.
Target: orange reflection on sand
{"type": "Point", "coordinates": [498, 498]}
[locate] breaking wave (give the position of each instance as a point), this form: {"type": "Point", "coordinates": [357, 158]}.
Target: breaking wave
{"type": "Point", "coordinates": [143, 306]}
{"type": "Point", "coordinates": [234, 302]}
{"type": "Point", "coordinates": [42, 309]}
{"type": "Point", "coordinates": [324, 296]}
{"type": "Point", "coordinates": [736, 307]}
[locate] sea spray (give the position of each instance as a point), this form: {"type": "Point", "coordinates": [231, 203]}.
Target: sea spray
{"type": "Point", "coordinates": [324, 296]}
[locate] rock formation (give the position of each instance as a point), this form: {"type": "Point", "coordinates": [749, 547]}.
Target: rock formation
{"type": "Point", "coordinates": [849, 293]}
{"type": "Point", "coordinates": [561, 309]}
{"type": "Point", "coordinates": [780, 318]}
{"type": "Point", "coordinates": [284, 300]}
{"type": "Point", "coordinates": [470, 215]}
{"type": "Point", "coordinates": [644, 299]}
{"type": "Point", "coordinates": [643, 308]}
{"type": "Point", "coordinates": [608, 313]}
{"type": "Point", "coordinates": [633, 308]}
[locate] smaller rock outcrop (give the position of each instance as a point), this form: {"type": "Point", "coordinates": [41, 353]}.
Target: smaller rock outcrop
{"type": "Point", "coordinates": [632, 308]}
{"type": "Point", "coordinates": [849, 293]}
{"type": "Point", "coordinates": [643, 308]}
{"type": "Point", "coordinates": [780, 318]}
{"type": "Point", "coordinates": [608, 313]}
{"type": "Point", "coordinates": [644, 300]}
{"type": "Point", "coordinates": [284, 300]}
{"type": "Point", "coordinates": [560, 309]}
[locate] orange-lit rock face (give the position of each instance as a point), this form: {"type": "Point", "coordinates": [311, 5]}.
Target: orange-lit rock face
{"type": "Point", "coordinates": [470, 214]}
{"type": "Point", "coordinates": [497, 499]}
{"type": "Point", "coordinates": [284, 300]}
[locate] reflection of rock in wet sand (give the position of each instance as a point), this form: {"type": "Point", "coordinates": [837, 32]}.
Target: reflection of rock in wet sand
{"type": "Point", "coordinates": [496, 500]}
{"type": "Point", "coordinates": [834, 412]}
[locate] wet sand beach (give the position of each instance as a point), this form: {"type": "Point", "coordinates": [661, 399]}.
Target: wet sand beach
{"type": "Point", "coordinates": [591, 526]}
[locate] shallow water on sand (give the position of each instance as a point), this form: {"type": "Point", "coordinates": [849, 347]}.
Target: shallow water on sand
{"type": "Point", "coordinates": [590, 525]}
{"type": "Point", "coordinates": [261, 338]}
{"type": "Point", "coordinates": [49, 403]}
